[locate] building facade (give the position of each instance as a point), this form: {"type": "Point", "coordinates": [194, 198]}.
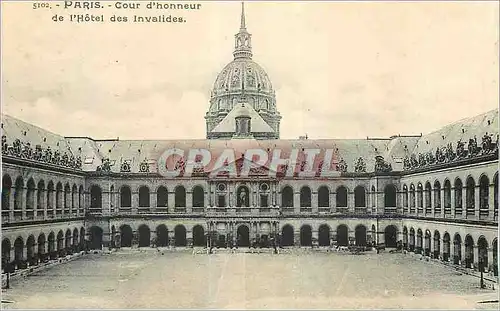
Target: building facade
{"type": "Point", "coordinates": [434, 194]}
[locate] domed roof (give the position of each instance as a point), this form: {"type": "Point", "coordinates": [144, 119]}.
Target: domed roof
{"type": "Point", "coordinates": [242, 74]}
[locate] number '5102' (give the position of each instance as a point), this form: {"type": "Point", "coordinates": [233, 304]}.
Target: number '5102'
{"type": "Point", "coordinates": [41, 5]}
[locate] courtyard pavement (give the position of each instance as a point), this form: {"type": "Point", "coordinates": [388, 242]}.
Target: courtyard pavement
{"type": "Point", "coordinates": [151, 279]}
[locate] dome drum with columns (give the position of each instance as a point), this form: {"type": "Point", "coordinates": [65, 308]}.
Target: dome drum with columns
{"type": "Point", "coordinates": [242, 81]}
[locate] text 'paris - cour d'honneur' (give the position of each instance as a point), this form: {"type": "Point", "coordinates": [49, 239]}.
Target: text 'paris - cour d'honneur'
{"type": "Point", "coordinates": [152, 5]}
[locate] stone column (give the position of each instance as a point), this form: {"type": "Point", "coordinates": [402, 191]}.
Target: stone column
{"type": "Point", "coordinates": [296, 202]}
{"type": "Point", "coordinates": [333, 201]}
{"type": "Point", "coordinates": [314, 201]}
{"type": "Point", "coordinates": [189, 201]}
{"type": "Point", "coordinates": [171, 202]}
{"type": "Point", "coordinates": [350, 201]}
{"type": "Point", "coordinates": [35, 204]}
{"type": "Point", "coordinates": [491, 202]}
{"type": "Point", "coordinates": [464, 202]}
{"type": "Point", "coordinates": [152, 200]}
{"type": "Point", "coordinates": [441, 193]}
{"type": "Point", "coordinates": [135, 201]}
{"type": "Point", "coordinates": [476, 201]}
{"type": "Point", "coordinates": [23, 202]}
{"type": "Point", "coordinates": [452, 202]}
{"type": "Point", "coordinates": [11, 203]}
{"type": "Point", "coordinates": [230, 195]}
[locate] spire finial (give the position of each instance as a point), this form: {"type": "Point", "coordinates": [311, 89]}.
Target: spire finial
{"type": "Point", "coordinates": [243, 24]}
{"type": "Point", "coordinates": [243, 45]}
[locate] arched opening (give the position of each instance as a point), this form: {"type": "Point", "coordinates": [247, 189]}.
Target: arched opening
{"type": "Point", "coordinates": [323, 197]}
{"type": "Point", "coordinates": [391, 236]}
{"type": "Point", "coordinates": [18, 252]}
{"type": "Point", "coordinates": [412, 198]}
{"type": "Point", "coordinates": [359, 196]}
{"type": "Point", "coordinates": [495, 197]}
{"type": "Point", "coordinates": [360, 235]}
{"type": "Point", "coordinates": [125, 197]}
{"type": "Point", "coordinates": [95, 237]}
{"type": "Point", "coordinates": [470, 197]}
{"type": "Point", "coordinates": [437, 197]}
{"type": "Point", "coordinates": [495, 257]}
{"type": "Point", "coordinates": [411, 242]}
{"type": "Point", "coordinates": [446, 247]}
{"type": "Point", "coordinates": [484, 196]}
{"type": "Point", "coordinates": [458, 196]}
{"type": "Point", "coordinates": [405, 237]}
{"type": "Point", "coordinates": [405, 198]}
{"type": "Point", "coordinates": [198, 197]}
{"type": "Point", "coordinates": [6, 189]}
{"type": "Point", "coordinates": [30, 250]}
{"type": "Point", "coordinates": [95, 198]}
{"type": "Point", "coordinates": [341, 198]}
{"type": "Point", "coordinates": [180, 196]}
{"type": "Point", "coordinates": [420, 198]}
{"type": "Point", "coordinates": [50, 198]}
{"type": "Point", "coordinates": [30, 195]}
{"type": "Point", "coordinates": [469, 251]}
{"type": "Point", "coordinates": [5, 252]}
{"type": "Point", "coordinates": [427, 243]}
{"type": "Point", "coordinates": [420, 238]}
{"type": "Point", "coordinates": [457, 249]}
{"type": "Point", "coordinates": [75, 240]}
{"type": "Point", "coordinates": [82, 238]}
{"type": "Point", "coordinates": [243, 197]}
{"type": "Point", "coordinates": [305, 235]}
{"type": "Point", "coordinates": [67, 197]}
{"type": "Point", "coordinates": [199, 236]}
{"type": "Point", "coordinates": [243, 238]}
{"type": "Point", "coordinates": [447, 197]}
{"type": "Point", "coordinates": [374, 234]}
{"type": "Point", "coordinates": [67, 241]}
{"type": "Point", "coordinates": [144, 196]}
{"type": "Point", "coordinates": [390, 196]}
{"type": "Point", "coordinates": [60, 242]}
{"type": "Point", "coordinates": [324, 235]}
{"type": "Point", "coordinates": [342, 235]}
{"type": "Point", "coordinates": [287, 196]}
{"type": "Point", "coordinates": [437, 244]}
{"type": "Point", "coordinates": [126, 236]}
{"type": "Point", "coordinates": [305, 197]}
{"type": "Point", "coordinates": [161, 197]}
{"type": "Point", "coordinates": [52, 245]}
{"type": "Point", "coordinates": [161, 236]}
{"type": "Point", "coordinates": [41, 246]}
{"type": "Point", "coordinates": [287, 238]}
{"type": "Point", "coordinates": [482, 253]}
{"type": "Point", "coordinates": [59, 197]}
{"type": "Point", "coordinates": [18, 194]}
{"type": "Point", "coordinates": [144, 236]}
{"type": "Point", "coordinates": [180, 235]}
{"type": "Point", "coordinates": [428, 194]}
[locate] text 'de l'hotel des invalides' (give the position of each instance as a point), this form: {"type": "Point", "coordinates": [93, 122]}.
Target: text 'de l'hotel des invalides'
{"type": "Point", "coordinates": [167, 12]}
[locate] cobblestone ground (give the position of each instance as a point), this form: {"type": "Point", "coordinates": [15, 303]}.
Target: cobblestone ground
{"type": "Point", "coordinates": [149, 279]}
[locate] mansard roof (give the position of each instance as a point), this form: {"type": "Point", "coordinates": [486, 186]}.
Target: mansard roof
{"type": "Point", "coordinates": [137, 153]}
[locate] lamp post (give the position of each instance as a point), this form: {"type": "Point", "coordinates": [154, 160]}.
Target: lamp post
{"type": "Point", "coordinates": [481, 269]}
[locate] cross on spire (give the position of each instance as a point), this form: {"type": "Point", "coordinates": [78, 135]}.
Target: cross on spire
{"type": "Point", "coordinates": [243, 40]}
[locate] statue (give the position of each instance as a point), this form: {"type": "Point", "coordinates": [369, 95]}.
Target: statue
{"type": "Point", "coordinates": [105, 167]}
{"type": "Point", "coordinates": [449, 155]}
{"type": "Point", "coordinates": [381, 166]}
{"type": "Point", "coordinates": [56, 158]}
{"type": "Point", "coordinates": [360, 166]}
{"type": "Point", "coordinates": [413, 161]}
{"type": "Point", "coordinates": [48, 155]}
{"type": "Point", "coordinates": [472, 147]}
{"type": "Point", "coordinates": [461, 152]}
{"type": "Point", "coordinates": [16, 150]}
{"type": "Point", "coordinates": [38, 154]}
{"type": "Point", "coordinates": [487, 144]}
{"type": "Point", "coordinates": [4, 144]}
{"type": "Point", "coordinates": [243, 198]}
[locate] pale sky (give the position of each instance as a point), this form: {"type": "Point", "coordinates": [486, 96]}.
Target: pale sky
{"type": "Point", "coordinates": [340, 70]}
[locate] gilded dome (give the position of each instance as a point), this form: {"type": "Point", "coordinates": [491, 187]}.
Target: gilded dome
{"type": "Point", "coordinates": [242, 74]}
